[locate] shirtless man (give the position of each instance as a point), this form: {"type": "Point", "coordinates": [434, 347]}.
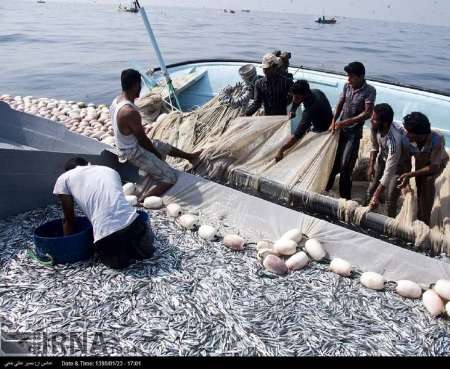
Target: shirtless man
{"type": "Point", "coordinates": [134, 145]}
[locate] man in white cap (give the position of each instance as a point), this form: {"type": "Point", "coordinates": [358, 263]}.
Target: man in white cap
{"type": "Point", "coordinates": [272, 90]}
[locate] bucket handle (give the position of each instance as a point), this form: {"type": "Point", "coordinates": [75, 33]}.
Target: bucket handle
{"type": "Point", "coordinates": [41, 258]}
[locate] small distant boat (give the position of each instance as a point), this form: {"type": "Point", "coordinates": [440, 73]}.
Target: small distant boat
{"type": "Point", "coordinates": [41, 1]}
{"type": "Point", "coordinates": [323, 20]}
{"type": "Point", "coordinates": [245, 10]}
{"type": "Point", "coordinates": [225, 11]}
{"type": "Point", "coordinates": [134, 8]}
{"type": "Point", "coordinates": [232, 11]}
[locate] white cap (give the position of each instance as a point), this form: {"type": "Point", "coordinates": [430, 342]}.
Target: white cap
{"type": "Point", "coordinates": [269, 60]}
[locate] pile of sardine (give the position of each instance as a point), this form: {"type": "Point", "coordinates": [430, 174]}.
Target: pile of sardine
{"type": "Point", "coordinates": [199, 297]}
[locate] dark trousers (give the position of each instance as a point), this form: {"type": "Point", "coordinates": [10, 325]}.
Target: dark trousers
{"type": "Point", "coordinates": [391, 192]}
{"type": "Point", "coordinates": [122, 248]}
{"type": "Point", "coordinates": [426, 191]}
{"type": "Point", "coordinates": [346, 155]}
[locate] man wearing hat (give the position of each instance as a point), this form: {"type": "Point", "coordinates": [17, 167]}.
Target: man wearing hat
{"type": "Point", "coordinates": [272, 90]}
{"type": "Point", "coordinates": [284, 63]}
{"type": "Point", "coordinates": [428, 148]}
{"type": "Point", "coordinates": [246, 97]}
{"type": "Point", "coordinates": [355, 106]}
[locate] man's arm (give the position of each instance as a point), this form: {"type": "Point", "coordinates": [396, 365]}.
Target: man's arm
{"type": "Point", "coordinates": [257, 102]}
{"type": "Point", "coordinates": [290, 142]}
{"type": "Point", "coordinates": [373, 154]}
{"type": "Point", "coordinates": [133, 121]}
{"type": "Point", "coordinates": [390, 169]}
{"type": "Point", "coordinates": [293, 111]}
{"type": "Point", "coordinates": [304, 125]}
{"type": "Point", "coordinates": [289, 82]}
{"type": "Point", "coordinates": [239, 101]}
{"type": "Point", "coordinates": [337, 113]}
{"type": "Point", "coordinates": [69, 214]}
{"type": "Point", "coordinates": [366, 114]}
{"type": "Point", "coordinates": [430, 170]}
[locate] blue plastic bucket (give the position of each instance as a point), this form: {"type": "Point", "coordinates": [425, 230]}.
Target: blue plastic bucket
{"type": "Point", "coordinates": [49, 239]}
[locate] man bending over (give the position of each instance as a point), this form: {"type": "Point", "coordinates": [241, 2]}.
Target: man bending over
{"type": "Point", "coordinates": [316, 117]}
{"type": "Point", "coordinates": [120, 236]}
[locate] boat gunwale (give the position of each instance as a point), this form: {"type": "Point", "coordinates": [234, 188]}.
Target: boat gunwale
{"type": "Point", "coordinates": [326, 71]}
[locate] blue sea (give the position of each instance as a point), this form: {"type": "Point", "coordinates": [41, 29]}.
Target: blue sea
{"type": "Point", "coordinates": [76, 51]}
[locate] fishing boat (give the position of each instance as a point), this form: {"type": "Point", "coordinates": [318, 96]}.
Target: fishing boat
{"type": "Point", "coordinates": [41, 1]}
{"type": "Point", "coordinates": [403, 98]}
{"type": "Point", "coordinates": [214, 284]}
{"type": "Point", "coordinates": [323, 20]}
{"type": "Point", "coordinates": [134, 8]}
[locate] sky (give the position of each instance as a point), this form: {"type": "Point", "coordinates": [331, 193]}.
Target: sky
{"type": "Point", "coordinates": [432, 12]}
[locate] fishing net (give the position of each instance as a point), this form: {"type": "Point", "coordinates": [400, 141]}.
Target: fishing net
{"type": "Point", "coordinates": [233, 145]}
{"type": "Point", "coordinates": [248, 144]}
{"type": "Point", "coordinates": [196, 130]}
{"type": "Point", "coordinates": [351, 212]}
{"type": "Point", "coordinates": [151, 107]}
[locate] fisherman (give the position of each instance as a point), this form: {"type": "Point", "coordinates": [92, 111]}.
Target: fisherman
{"type": "Point", "coordinates": [389, 158]}
{"type": "Point", "coordinates": [247, 94]}
{"type": "Point", "coordinates": [134, 145]}
{"type": "Point", "coordinates": [428, 148]}
{"type": "Point", "coordinates": [284, 63]}
{"type": "Point", "coordinates": [355, 106]}
{"type": "Point", "coordinates": [120, 236]}
{"type": "Point", "coordinates": [272, 90]}
{"type": "Point", "coordinates": [316, 117]}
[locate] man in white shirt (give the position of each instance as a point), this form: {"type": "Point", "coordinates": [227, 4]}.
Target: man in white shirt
{"type": "Point", "coordinates": [389, 158]}
{"type": "Point", "coordinates": [120, 236]}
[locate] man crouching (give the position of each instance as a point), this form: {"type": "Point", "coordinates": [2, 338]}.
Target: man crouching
{"type": "Point", "coordinates": [120, 235]}
{"type": "Point", "coordinates": [134, 145]}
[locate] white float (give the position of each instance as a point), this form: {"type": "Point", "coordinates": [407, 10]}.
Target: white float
{"type": "Point", "coordinates": [314, 248]}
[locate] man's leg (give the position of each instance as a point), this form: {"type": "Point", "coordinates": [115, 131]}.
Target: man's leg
{"type": "Point", "coordinates": [425, 197]}
{"type": "Point", "coordinates": [392, 196]}
{"type": "Point", "coordinates": [158, 171]}
{"type": "Point", "coordinates": [155, 190]}
{"type": "Point", "coordinates": [113, 251]}
{"type": "Point", "coordinates": [140, 238]}
{"type": "Point", "coordinates": [348, 161]}
{"type": "Point", "coordinates": [337, 164]}
{"type": "Point", "coordinates": [143, 245]}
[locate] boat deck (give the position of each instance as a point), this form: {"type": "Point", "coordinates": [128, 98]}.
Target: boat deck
{"type": "Point", "coordinates": [199, 298]}
{"type": "Point", "coordinates": [10, 144]}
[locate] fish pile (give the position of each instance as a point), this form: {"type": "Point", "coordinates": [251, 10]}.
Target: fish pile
{"type": "Point", "coordinates": [197, 297]}
{"type": "Point", "coordinates": [89, 120]}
